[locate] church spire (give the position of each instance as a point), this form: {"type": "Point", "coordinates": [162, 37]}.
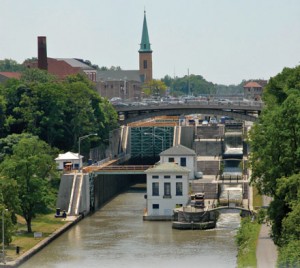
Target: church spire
{"type": "Point", "coordinates": [145, 45]}
{"type": "Point", "coordinates": [145, 54]}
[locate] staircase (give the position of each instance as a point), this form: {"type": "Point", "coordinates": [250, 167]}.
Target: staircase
{"type": "Point", "coordinates": [75, 195]}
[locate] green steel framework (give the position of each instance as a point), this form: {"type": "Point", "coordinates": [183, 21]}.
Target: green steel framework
{"type": "Point", "coordinates": [150, 141]}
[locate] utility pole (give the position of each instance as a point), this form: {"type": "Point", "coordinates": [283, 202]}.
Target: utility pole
{"type": "Point", "coordinates": [189, 93]}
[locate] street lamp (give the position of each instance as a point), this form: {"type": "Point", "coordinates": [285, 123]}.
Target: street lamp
{"type": "Point", "coordinates": [79, 141]}
{"type": "Point", "coordinates": [3, 240]}
{"type": "Point", "coordinates": [158, 137]}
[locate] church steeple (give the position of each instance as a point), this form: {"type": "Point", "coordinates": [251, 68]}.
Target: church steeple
{"type": "Point", "coordinates": [145, 45]}
{"type": "Point", "coordinates": [145, 54]}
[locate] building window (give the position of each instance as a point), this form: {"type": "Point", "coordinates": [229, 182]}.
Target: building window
{"type": "Point", "coordinates": [167, 177]}
{"type": "Point", "coordinates": [155, 177]}
{"type": "Point", "coordinates": [178, 188]}
{"type": "Point", "coordinates": [178, 176]}
{"type": "Point", "coordinates": [155, 189]}
{"type": "Point", "coordinates": [167, 190]}
{"type": "Point", "coordinates": [145, 64]}
{"type": "Point", "coordinates": [171, 160]}
{"type": "Point", "coordinates": [155, 206]}
{"type": "Point", "coordinates": [183, 161]}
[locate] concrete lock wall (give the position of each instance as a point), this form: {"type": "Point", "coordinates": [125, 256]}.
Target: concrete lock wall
{"type": "Point", "coordinates": [108, 186]}
{"type": "Point", "coordinates": [187, 136]}
{"type": "Point", "coordinates": [208, 148]}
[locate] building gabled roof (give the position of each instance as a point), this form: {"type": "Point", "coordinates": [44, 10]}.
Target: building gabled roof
{"type": "Point", "coordinates": [178, 150]}
{"type": "Point", "coordinates": [75, 63]}
{"type": "Point", "coordinates": [167, 167]}
{"type": "Point", "coordinates": [252, 84]}
{"type": "Point", "coordinates": [119, 75]}
{"type": "Point", "coordinates": [11, 74]}
{"type": "Point", "coordinates": [68, 156]}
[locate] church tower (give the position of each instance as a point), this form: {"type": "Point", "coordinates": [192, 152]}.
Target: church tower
{"type": "Point", "coordinates": [145, 54]}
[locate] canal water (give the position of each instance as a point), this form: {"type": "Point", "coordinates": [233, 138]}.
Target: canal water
{"type": "Point", "coordinates": [116, 236]}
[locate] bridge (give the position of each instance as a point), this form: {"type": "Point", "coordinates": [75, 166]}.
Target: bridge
{"type": "Point", "coordinates": [114, 169]}
{"type": "Point", "coordinates": [242, 209]}
{"type": "Point", "coordinates": [246, 111]}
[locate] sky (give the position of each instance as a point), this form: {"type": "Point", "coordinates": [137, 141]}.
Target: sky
{"type": "Point", "coordinates": [225, 41]}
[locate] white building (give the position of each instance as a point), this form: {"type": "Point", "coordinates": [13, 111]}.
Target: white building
{"type": "Point", "coordinates": [68, 161]}
{"type": "Point", "coordinates": [167, 188]}
{"type": "Point", "coordinates": [183, 156]}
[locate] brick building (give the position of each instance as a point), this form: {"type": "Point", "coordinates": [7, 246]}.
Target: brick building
{"type": "Point", "coordinates": [60, 67]}
{"type": "Point", "coordinates": [253, 90]}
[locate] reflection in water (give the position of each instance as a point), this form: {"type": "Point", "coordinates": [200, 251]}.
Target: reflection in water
{"type": "Point", "coordinates": [116, 236]}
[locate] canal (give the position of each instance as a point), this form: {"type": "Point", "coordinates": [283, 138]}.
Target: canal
{"type": "Point", "coordinates": [116, 236]}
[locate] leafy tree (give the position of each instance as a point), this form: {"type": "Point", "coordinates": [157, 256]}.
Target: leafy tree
{"type": "Point", "coordinates": [112, 68]}
{"type": "Point", "coordinates": [31, 165]}
{"type": "Point", "coordinates": [275, 160]}
{"type": "Point", "coordinates": [7, 143]}
{"type": "Point", "coordinates": [154, 88]}
{"type": "Point", "coordinates": [289, 191]}
{"type": "Point", "coordinates": [9, 65]}
{"type": "Point", "coordinates": [34, 75]}
{"type": "Point", "coordinates": [2, 115]}
{"type": "Point", "coordinates": [57, 111]}
{"type": "Point", "coordinates": [275, 144]}
{"type": "Point", "coordinates": [289, 255]}
{"type": "Point", "coordinates": [9, 227]}
{"type": "Point", "coordinates": [8, 190]}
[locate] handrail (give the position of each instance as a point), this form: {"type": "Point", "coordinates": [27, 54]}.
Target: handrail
{"type": "Point", "coordinates": [129, 167]}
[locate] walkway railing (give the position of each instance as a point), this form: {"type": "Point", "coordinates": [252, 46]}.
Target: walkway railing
{"type": "Point", "coordinates": [129, 167]}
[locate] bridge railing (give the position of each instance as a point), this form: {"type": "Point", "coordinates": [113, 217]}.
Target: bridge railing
{"type": "Point", "coordinates": [129, 167]}
{"type": "Point", "coordinates": [214, 103]}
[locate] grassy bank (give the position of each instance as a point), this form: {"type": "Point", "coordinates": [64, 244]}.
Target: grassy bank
{"type": "Point", "coordinates": [247, 236]}
{"type": "Point", "coordinates": [44, 224]}
{"type": "Point", "coordinates": [257, 199]}
{"type": "Point", "coordinates": [246, 240]}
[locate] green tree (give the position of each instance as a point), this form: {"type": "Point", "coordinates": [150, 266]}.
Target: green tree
{"type": "Point", "coordinates": [9, 65]}
{"type": "Point", "coordinates": [8, 190]}
{"type": "Point", "coordinates": [289, 255]}
{"type": "Point", "coordinates": [155, 88]}
{"type": "Point", "coordinates": [275, 144]}
{"type": "Point", "coordinates": [31, 165]}
{"type": "Point", "coordinates": [34, 75]}
{"type": "Point", "coordinates": [275, 160]}
{"type": "Point", "coordinates": [2, 115]}
{"type": "Point", "coordinates": [59, 112]}
{"type": "Point", "coordinates": [9, 227]}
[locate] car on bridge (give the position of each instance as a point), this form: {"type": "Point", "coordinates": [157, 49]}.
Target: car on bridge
{"type": "Point", "coordinates": [223, 101]}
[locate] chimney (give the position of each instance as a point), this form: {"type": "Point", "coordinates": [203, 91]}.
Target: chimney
{"type": "Point", "coordinates": [42, 53]}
